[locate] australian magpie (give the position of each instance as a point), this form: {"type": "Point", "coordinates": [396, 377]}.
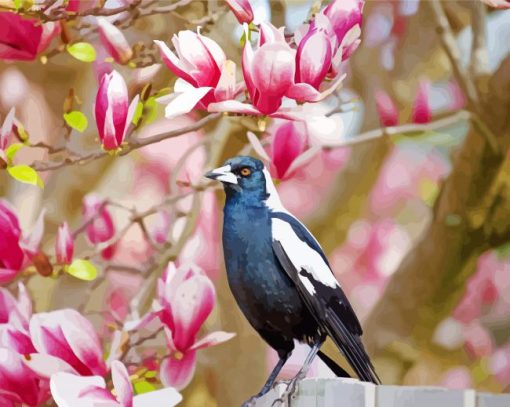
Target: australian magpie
{"type": "Point", "coordinates": [280, 277]}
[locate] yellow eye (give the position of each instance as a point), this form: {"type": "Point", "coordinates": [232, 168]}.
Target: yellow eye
{"type": "Point", "coordinates": [245, 172]}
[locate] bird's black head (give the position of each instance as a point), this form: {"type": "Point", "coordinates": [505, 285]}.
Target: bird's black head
{"type": "Point", "coordinates": [244, 176]}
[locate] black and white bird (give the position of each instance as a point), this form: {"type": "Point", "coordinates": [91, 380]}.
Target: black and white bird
{"type": "Point", "coordinates": [280, 277]}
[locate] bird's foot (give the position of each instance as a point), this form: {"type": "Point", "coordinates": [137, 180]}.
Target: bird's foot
{"type": "Point", "coordinates": [290, 392]}
{"type": "Point", "coordinates": [250, 402]}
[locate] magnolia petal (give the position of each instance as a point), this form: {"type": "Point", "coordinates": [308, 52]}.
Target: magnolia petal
{"type": "Point", "coordinates": [257, 146]}
{"type": "Point", "coordinates": [123, 388]}
{"type": "Point", "coordinates": [114, 41]}
{"type": "Point", "coordinates": [178, 372]}
{"type": "Point", "coordinates": [303, 159]}
{"type": "Point", "coordinates": [233, 106]}
{"type": "Point", "coordinates": [192, 304]}
{"type": "Point", "coordinates": [212, 339]}
{"type": "Point", "coordinates": [6, 130]}
{"type": "Point", "coordinates": [173, 63]}
{"type": "Point", "coordinates": [17, 381]}
{"type": "Point", "coordinates": [421, 106]}
{"type": "Point", "coordinates": [185, 102]}
{"type": "Point", "coordinates": [167, 397]}
{"type": "Point", "coordinates": [47, 365]}
{"type": "Point", "coordinates": [313, 58]}
{"type": "Point", "coordinates": [33, 240]}
{"type": "Point", "coordinates": [130, 114]}
{"type": "Point", "coordinates": [386, 108]}
{"type": "Point", "coordinates": [226, 87]}
{"type": "Point", "coordinates": [140, 323]}
{"type": "Point", "coordinates": [325, 131]}
{"type": "Point", "coordinates": [66, 388]}
{"type": "Point", "coordinates": [7, 275]}
{"type": "Point", "coordinates": [288, 143]}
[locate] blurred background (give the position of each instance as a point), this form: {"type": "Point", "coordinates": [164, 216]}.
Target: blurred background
{"type": "Point", "coordinates": [416, 221]}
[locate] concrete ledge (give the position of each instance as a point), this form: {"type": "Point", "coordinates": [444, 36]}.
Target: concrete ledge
{"type": "Point", "coordinates": [353, 393]}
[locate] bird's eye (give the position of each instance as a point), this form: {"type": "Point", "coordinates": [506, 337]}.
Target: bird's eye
{"type": "Point", "coordinates": [245, 171]}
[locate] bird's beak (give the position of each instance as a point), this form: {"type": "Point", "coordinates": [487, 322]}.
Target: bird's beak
{"type": "Point", "coordinates": [222, 174]}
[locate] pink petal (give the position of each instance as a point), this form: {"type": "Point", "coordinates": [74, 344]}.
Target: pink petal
{"type": "Point", "coordinates": [173, 63]}
{"type": "Point", "coordinates": [114, 41]}
{"type": "Point", "coordinates": [226, 87]}
{"type": "Point", "coordinates": [242, 10]}
{"type": "Point", "coordinates": [386, 108]}
{"type": "Point", "coordinates": [32, 242]}
{"type": "Point", "coordinates": [313, 58]}
{"type": "Point", "coordinates": [120, 378]}
{"type": "Point", "coordinates": [178, 372]}
{"type": "Point", "coordinates": [288, 142]}
{"type": "Point", "coordinates": [101, 229]}
{"type": "Point", "coordinates": [50, 31]}
{"type": "Point", "coordinates": [11, 255]}
{"type": "Point", "coordinates": [64, 245]}
{"type": "Point", "coordinates": [47, 365]}
{"type": "Point", "coordinates": [273, 73]}
{"type": "Point", "coordinates": [233, 106]}
{"type": "Point", "coordinates": [212, 339]}
{"type": "Point", "coordinates": [130, 114]}
{"type": "Point", "coordinates": [6, 130]}
{"type": "Point", "coordinates": [15, 339]}
{"type": "Point", "coordinates": [302, 92]}
{"type": "Point", "coordinates": [183, 103]}
{"type": "Point", "coordinates": [270, 34]}
{"type": "Point", "coordinates": [167, 397]}
{"type": "Point", "coordinates": [421, 108]}
{"type": "Point", "coordinates": [257, 146]}
{"type": "Point", "coordinates": [17, 381]}
{"type": "Point", "coordinates": [66, 388]}
{"type": "Point", "coordinates": [7, 275]}
{"type": "Point", "coordinates": [19, 37]}
{"type": "Point", "coordinates": [247, 65]}
{"type": "Point", "coordinates": [344, 14]}
{"type": "Point", "coordinates": [193, 302]}
{"type": "Point", "coordinates": [161, 227]}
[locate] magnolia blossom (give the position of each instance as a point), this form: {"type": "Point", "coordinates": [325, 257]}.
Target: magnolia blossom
{"type": "Point", "coordinates": [112, 111]}
{"type": "Point", "coordinates": [421, 107]}
{"type": "Point", "coordinates": [386, 108]}
{"type": "Point", "coordinates": [64, 245]}
{"type": "Point", "coordinates": [7, 128]}
{"type": "Point", "coordinates": [69, 390]}
{"type": "Point", "coordinates": [70, 338]}
{"type": "Point", "coordinates": [11, 253]}
{"type": "Point", "coordinates": [186, 297]}
{"type": "Point", "coordinates": [100, 227]}
{"type": "Point", "coordinates": [205, 74]}
{"type": "Point", "coordinates": [114, 41]}
{"type": "Point", "coordinates": [242, 10]}
{"type": "Point", "coordinates": [21, 39]}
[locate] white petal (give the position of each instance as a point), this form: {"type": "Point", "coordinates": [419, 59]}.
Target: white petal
{"type": "Point", "coordinates": [185, 102]}
{"type": "Point", "coordinates": [167, 397]}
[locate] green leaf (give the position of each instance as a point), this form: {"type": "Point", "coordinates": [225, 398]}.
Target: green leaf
{"type": "Point", "coordinates": [143, 387]}
{"type": "Point", "coordinates": [77, 120]}
{"type": "Point", "coordinates": [18, 4]}
{"type": "Point", "coordinates": [83, 51]}
{"type": "Point", "coordinates": [12, 150]}
{"type": "Point", "coordinates": [138, 113]}
{"type": "Point", "coordinates": [83, 270]}
{"type": "Point", "coordinates": [25, 174]}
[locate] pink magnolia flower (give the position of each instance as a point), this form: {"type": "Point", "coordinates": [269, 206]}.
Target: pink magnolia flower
{"type": "Point", "coordinates": [242, 10]}
{"type": "Point", "coordinates": [100, 226]}
{"type": "Point", "coordinates": [205, 74]}
{"type": "Point", "coordinates": [499, 365]}
{"type": "Point", "coordinates": [114, 41]}
{"type": "Point", "coordinates": [69, 390]}
{"type": "Point", "coordinates": [346, 18]}
{"type": "Point", "coordinates": [421, 107]}
{"type": "Point", "coordinates": [71, 338]}
{"type": "Point", "coordinates": [64, 245]}
{"type": "Point", "coordinates": [186, 297]}
{"type": "Point", "coordinates": [19, 385]}
{"type": "Point", "coordinates": [386, 108]}
{"type": "Point", "coordinates": [11, 253]}
{"type": "Point", "coordinates": [478, 341]}
{"type": "Point", "coordinates": [112, 111]}
{"type": "Point", "coordinates": [21, 39]}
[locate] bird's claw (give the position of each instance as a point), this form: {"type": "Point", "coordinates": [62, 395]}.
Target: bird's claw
{"type": "Point", "coordinates": [290, 392]}
{"type": "Point", "coordinates": [250, 402]}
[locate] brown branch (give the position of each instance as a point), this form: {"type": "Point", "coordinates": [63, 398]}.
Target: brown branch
{"type": "Point", "coordinates": [452, 50]}
{"type": "Point", "coordinates": [133, 145]}
{"type": "Point", "coordinates": [479, 63]}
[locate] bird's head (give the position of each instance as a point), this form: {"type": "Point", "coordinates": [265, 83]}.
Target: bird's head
{"type": "Point", "coordinates": [245, 176]}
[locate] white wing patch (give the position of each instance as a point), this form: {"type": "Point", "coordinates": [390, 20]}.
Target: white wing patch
{"type": "Point", "coordinates": [302, 256]}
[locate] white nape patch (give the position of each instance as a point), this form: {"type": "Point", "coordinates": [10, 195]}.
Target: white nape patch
{"type": "Point", "coordinates": [302, 256]}
{"type": "Point", "coordinates": [273, 201]}
{"type": "Point", "coordinates": [224, 174]}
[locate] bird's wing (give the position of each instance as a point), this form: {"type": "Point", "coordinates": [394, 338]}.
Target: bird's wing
{"type": "Point", "coordinates": [302, 258]}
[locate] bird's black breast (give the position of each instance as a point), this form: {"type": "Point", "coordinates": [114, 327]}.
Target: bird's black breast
{"type": "Point", "coordinates": [266, 295]}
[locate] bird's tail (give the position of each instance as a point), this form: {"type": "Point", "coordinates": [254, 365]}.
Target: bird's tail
{"type": "Point", "coordinates": [335, 367]}
{"type": "Point", "coordinates": [352, 348]}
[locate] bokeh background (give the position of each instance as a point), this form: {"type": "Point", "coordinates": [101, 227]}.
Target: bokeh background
{"type": "Point", "coordinates": [416, 223]}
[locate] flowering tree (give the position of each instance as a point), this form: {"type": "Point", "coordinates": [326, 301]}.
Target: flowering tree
{"type": "Point", "coordinates": [388, 114]}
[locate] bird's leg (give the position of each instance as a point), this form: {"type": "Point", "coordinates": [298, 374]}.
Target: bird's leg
{"type": "Point", "coordinates": [270, 380]}
{"type": "Point", "coordinates": [292, 387]}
